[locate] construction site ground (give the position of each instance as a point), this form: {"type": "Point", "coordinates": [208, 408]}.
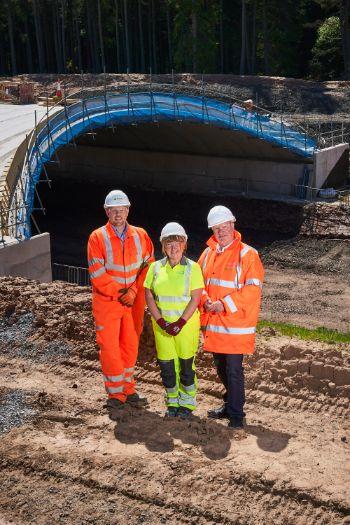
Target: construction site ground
{"type": "Point", "coordinates": [62, 461]}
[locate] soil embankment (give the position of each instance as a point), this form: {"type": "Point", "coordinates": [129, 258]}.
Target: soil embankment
{"type": "Point", "coordinates": [63, 461]}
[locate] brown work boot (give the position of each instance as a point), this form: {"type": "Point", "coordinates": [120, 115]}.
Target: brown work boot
{"type": "Point", "coordinates": [137, 400]}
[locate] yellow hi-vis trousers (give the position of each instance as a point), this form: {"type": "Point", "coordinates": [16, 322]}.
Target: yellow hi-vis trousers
{"type": "Point", "coordinates": [176, 356]}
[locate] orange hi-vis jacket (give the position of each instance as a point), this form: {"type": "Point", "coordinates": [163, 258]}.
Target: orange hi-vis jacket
{"type": "Point", "coordinates": [114, 264]}
{"type": "Point", "coordinates": [233, 276]}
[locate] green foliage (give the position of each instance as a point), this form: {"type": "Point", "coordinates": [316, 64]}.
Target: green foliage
{"type": "Point", "coordinates": [205, 36]}
{"type": "Point", "coordinates": [318, 334]}
{"type": "Point", "coordinates": [327, 61]}
{"type": "Point", "coordinates": [195, 39]}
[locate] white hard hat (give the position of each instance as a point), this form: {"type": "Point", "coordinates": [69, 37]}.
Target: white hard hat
{"type": "Point", "coordinates": [172, 228]}
{"type": "Point", "coordinates": [218, 215]}
{"type": "Point", "coordinates": [116, 198]}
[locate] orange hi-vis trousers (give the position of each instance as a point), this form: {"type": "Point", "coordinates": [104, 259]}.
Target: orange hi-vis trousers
{"type": "Point", "coordinates": [117, 335]}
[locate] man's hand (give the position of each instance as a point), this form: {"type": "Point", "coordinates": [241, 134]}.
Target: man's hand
{"type": "Point", "coordinates": [214, 307]}
{"type": "Point", "coordinates": [127, 296]}
{"type": "Point", "coordinates": [176, 327]}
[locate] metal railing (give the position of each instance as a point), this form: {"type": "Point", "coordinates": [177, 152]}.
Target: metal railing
{"type": "Point", "coordinates": [70, 274]}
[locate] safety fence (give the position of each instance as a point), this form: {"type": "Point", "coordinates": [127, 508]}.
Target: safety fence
{"type": "Point", "coordinates": [70, 274]}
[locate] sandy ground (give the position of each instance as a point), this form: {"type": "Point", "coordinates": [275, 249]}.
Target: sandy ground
{"type": "Point", "coordinates": [64, 462]}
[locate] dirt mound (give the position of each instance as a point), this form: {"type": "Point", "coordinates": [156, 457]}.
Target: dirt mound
{"type": "Point", "coordinates": [57, 446]}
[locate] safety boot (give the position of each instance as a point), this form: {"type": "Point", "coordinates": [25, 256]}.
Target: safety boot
{"type": "Point", "coordinates": [235, 422]}
{"type": "Point", "coordinates": [218, 413]}
{"type": "Point", "coordinates": [184, 413]}
{"type": "Point", "coordinates": [171, 412]}
{"type": "Point", "coordinates": [114, 408]}
{"type": "Point", "coordinates": [137, 400]}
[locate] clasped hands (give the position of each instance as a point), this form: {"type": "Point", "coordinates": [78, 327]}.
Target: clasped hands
{"type": "Point", "coordinates": [127, 296]}
{"type": "Point", "coordinates": [214, 307]}
{"type": "Point", "coordinates": [171, 328]}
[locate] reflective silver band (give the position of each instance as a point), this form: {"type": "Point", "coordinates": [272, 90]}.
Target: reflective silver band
{"type": "Point", "coordinates": [191, 388]}
{"type": "Point", "coordinates": [114, 390]}
{"type": "Point", "coordinates": [205, 260]}
{"type": "Point", "coordinates": [95, 260]}
{"type": "Point", "coordinates": [129, 379]}
{"type": "Point", "coordinates": [229, 331]}
{"type": "Point", "coordinates": [187, 399]}
{"type": "Point", "coordinates": [98, 273]}
{"type": "Point", "coordinates": [99, 327]}
{"type": "Point", "coordinates": [230, 304]}
{"type": "Point", "coordinates": [171, 313]}
{"type": "Point", "coordinates": [172, 299]}
{"type": "Point", "coordinates": [114, 379]}
{"type": "Point", "coordinates": [255, 282]}
{"type": "Point", "coordinates": [129, 370]}
{"type": "Point", "coordinates": [222, 282]}
{"type": "Point", "coordinates": [124, 280]}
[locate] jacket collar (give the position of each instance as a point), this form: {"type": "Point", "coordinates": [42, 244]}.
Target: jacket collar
{"type": "Point", "coordinates": [212, 242]}
{"type": "Point", "coordinates": [130, 230]}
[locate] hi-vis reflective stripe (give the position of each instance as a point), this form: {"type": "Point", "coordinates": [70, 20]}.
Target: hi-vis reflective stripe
{"type": "Point", "coordinates": [246, 250]}
{"type": "Point", "coordinates": [124, 280]}
{"type": "Point", "coordinates": [109, 252]}
{"type": "Point", "coordinates": [187, 399]}
{"type": "Point", "coordinates": [229, 331]}
{"type": "Point", "coordinates": [171, 313]}
{"type": "Point", "coordinates": [172, 298]}
{"type": "Point", "coordinates": [230, 304]}
{"type": "Point", "coordinates": [205, 260]}
{"type": "Point", "coordinates": [129, 370]}
{"type": "Point", "coordinates": [99, 327]}
{"type": "Point", "coordinates": [98, 273]}
{"type": "Point", "coordinates": [191, 388]}
{"type": "Point", "coordinates": [256, 282]}
{"type": "Point", "coordinates": [222, 282]}
{"type": "Point", "coordinates": [114, 379]}
{"type": "Point", "coordinates": [95, 260]}
{"type": "Point", "coordinates": [128, 379]}
{"type": "Point", "coordinates": [114, 390]}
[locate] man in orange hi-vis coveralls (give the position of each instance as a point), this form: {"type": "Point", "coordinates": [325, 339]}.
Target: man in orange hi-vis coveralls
{"type": "Point", "coordinates": [233, 276]}
{"type": "Point", "coordinates": [118, 257]}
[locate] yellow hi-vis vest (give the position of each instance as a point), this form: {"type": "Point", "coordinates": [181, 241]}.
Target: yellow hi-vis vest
{"type": "Point", "coordinates": [172, 287]}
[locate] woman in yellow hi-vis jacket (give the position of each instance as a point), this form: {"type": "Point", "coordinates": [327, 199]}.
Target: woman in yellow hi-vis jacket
{"type": "Point", "coordinates": [173, 290]}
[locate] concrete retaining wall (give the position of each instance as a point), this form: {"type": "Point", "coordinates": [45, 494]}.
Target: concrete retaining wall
{"type": "Point", "coordinates": [30, 259]}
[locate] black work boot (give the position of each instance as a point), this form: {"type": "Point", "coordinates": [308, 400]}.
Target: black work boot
{"type": "Point", "coordinates": [218, 413]}
{"type": "Point", "coordinates": [114, 408]}
{"type": "Point", "coordinates": [235, 422]}
{"type": "Point", "coordinates": [184, 413]}
{"type": "Point", "coordinates": [171, 412]}
{"type": "Point", "coordinates": [137, 400]}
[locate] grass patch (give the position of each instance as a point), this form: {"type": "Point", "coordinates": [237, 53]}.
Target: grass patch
{"type": "Point", "coordinates": [310, 334]}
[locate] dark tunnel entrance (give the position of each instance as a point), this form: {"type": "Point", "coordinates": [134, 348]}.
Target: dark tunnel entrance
{"type": "Point", "coordinates": [171, 172]}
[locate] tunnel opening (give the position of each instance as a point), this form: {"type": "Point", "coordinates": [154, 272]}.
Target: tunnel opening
{"type": "Point", "coordinates": [172, 172]}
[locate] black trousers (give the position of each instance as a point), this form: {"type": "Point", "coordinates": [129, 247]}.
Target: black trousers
{"type": "Point", "coordinates": [230, 371]}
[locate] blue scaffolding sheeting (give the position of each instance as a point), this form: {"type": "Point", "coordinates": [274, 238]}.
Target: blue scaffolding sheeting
{"type": "Point", "coordinates": [125, 109]}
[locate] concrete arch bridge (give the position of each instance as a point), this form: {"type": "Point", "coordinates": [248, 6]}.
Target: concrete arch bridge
{"type": "Point", "coordinates": [171, 141]}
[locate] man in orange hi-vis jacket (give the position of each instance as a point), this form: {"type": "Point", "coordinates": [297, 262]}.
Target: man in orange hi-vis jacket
{"type": "Point", "coordinates": [118, 257]}
{"type": "Point", "coordinates": [233, 276]}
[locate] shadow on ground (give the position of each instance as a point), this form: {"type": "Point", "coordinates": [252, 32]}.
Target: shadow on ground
{"type": "Point", "coordinates": [160, 434]}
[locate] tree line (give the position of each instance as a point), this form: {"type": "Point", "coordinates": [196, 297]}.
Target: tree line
{"type": "Point", "coordinates": [298, 38]}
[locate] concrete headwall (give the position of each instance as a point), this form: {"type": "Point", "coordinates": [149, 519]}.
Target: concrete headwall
{"type": "Point", "coordinates": [331, 166]}
{"type": "Point", "coordinates": [30, 259]}
{"type": "Point", "coordinates": [174, 172]}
